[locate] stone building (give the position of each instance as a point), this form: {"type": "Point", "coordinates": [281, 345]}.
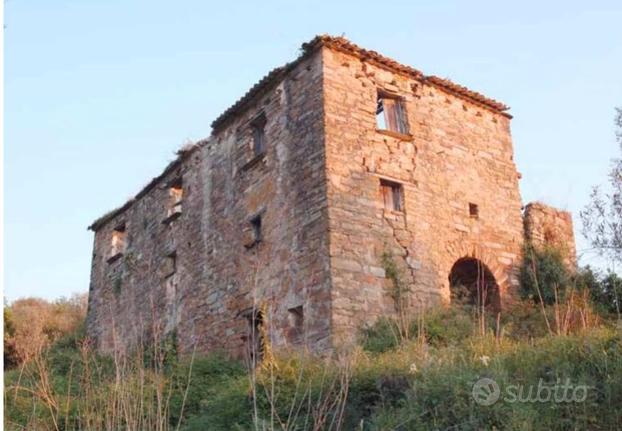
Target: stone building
{"type": "Point", "coordinates": [327, 173]}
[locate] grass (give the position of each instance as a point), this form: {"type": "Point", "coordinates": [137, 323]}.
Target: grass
{"type": "Point", "coordinates": [380, 385]}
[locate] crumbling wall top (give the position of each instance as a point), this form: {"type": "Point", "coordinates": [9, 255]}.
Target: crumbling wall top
{"type": "Point", "coordinates": [182, 154]}
{"type": "Point", "coordinates": [549, 226]}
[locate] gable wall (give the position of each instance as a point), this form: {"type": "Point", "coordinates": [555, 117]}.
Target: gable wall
{"type": "Point", "coordinates": [458, 153]}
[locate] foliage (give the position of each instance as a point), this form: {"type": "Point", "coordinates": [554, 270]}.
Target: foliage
{"type": "Point", "coordinates": [398, 292]}
{"type": "Point", "coordinates": [605, 289]}
{"type": "Point", "coordinates": [390, 383]}
{"type": "Point", "coordinates": [216, 381]}
{"type": "Point", "coordinates": [70, 387]}
{"type": "Point", "coordinates": [34, 324]}
{"type": "Point", "coordinates": [602, 217]}
{"type": "Point", "coordinates": [414, 371]}
{"type": "Point", "coordinates": [440, 396]}
{"type": "Point", "coordinates": [543, 275]}
{"type": "Point", "coordinates": [440, 326]}
{"type": "Point", "coordinates": [11, 358]}
{"type": "Point", "coordinates": [380, 337]}
{"type": "Point", "coordinates": [398, 287]}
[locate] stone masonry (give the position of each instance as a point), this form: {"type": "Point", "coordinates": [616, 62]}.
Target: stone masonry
{"type": "Point", "coordinates": [548, 226]}
{"type": "Point", "coordinates": [286, 215]}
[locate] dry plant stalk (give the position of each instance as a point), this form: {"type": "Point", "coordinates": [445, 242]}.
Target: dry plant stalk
{"type": "Point", "coordinates": [137, 397]}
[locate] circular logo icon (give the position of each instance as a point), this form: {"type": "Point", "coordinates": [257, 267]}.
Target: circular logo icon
{"type": "Point", "coordinates": [486, 392]}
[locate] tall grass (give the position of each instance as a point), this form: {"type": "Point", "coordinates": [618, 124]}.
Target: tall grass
{"type": "Point", "coordinates": [406, 385]}
{"type": "Point", "coordinates": [70, 387]}
{"type": "Point", "coordinates": [411, 372]}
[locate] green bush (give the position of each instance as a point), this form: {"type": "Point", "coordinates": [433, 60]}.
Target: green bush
{"type": "Point", "coordinates": [524, 321]}
{"type": "Point", "coordinates": [441, 398]}
{"type": "Point", "coordinates": [543, 275]}
{"type": "Point", "coordinates": [213, 391]}
{"type": "Point", "coordinates": [442, 326]}
{"type": "Point", "coordinates": [405, 386]}
{"type": "Point", "coordinates": [605, 289]}
{"type": "Point", "coordinates": [380, 337]}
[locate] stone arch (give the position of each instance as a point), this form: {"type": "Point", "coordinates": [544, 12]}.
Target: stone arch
{"type": "Point", "coordinates": [464, 250]}
{"type": "Point", "coordinates": [472, 282]}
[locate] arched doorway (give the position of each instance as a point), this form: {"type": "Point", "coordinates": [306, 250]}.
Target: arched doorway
{"type": "Point", "coordinates": [472, 282]}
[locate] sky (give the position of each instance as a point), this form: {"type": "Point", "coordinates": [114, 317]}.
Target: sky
{"type": "Point", "coordinates": [100, 94]}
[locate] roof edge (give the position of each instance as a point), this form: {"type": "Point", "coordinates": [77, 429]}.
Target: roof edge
{"type": "Point", "coordinates": [181, 155]}
{"type": "Point", "coordinates": [344, 45]}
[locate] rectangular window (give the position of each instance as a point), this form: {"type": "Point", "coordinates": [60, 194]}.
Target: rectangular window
{"type": "Point", "coordinates": [254, 338]}
{"type": "Point", "coordinates": [256, 226]}
{"type": "Point", "coordinates": [258, 126]}
{"type": "Point", "coordinates": [170, 264]}
{"type": "Point", "coordinates": [252, 231]}
{"type": "Point", "coordinates": [117, 246]}
{"type": "Point", "coordinates": [175, 196]}
{"type": "Point", "coordinates": [296, 324]}
{"type": "Point", "coordinates": [390, 114]}
{"type": "Point", "coordinates": [473, 210]}
{"type": "Point", "coordinates": [392, 195]}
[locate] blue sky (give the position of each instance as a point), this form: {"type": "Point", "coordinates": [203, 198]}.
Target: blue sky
{"type": "Point", "coordinates": [99, 95]}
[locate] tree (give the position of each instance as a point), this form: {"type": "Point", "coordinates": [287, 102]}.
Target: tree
{"type": "Point", "coordinates": [32, 324]}
{"type": "Point", "coordinates": [602, 217]}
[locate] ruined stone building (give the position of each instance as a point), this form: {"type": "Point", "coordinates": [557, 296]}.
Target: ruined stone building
{"type": "Point", "coordinates": [327, 171]}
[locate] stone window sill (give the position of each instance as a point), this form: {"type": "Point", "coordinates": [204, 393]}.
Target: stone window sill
{"type": "Point", "coordinates": [114, 257]}
{"type": "Point", "coordinates": [398, 135]}
{"type": "Point", "coordinates": [394, 214]}
{"type": "Point", "coordinates": [172, 217]}
{"type": "Point", "coordinates": [254, 161]}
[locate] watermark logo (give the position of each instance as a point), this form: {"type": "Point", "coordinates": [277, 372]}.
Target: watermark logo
{"type": "Point", "coordinates": [486, 392]}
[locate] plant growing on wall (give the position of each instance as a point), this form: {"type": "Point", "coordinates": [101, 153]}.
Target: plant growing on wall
{"type": "Point", "coordinates": [399, 291]}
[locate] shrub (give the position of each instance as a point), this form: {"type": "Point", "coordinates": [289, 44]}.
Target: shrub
{"type": "Point", "coordinates": [380, 337]}
{"type": "Point", "coordinates": [388, 385]}
{"type": "Point", "coordinates": [543, 275]}
{"type": "Point", "coordinates": [524, 321]}
{"type": "Point", "coordinates": [11, 358]}
{"type": "Point", "coordinates": [605, 289]}
{"type": "Point", "coordinates": [36, 323]}
{"type": "Point", "coordinates": [441, 398]}
{"type": "Point", "coordinates": [445, 326]}
{"type": "Point", "coordinates": [441, 326]}
{"type": "Point", "coordinates": [208, 375]}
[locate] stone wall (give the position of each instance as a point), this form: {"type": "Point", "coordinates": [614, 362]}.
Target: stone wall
{"type": "Point", "coordinates": [289, 267]}
{"type": "Point", "coordinates": [457, 153]}
{"type": "Point", "coordinates": [219, 278]}
{"type": "Point", "coordinates": [548, 226]}
{"type": "Point", "coordinates": [317, 273]}
{"type": "Point", "coordinates": [140, 293]}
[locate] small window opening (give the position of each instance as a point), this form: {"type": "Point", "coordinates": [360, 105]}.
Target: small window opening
{"type": "Point", "coordinates": [392, 195]}
{"type": "Point", "coordinates": [252, 231]}
{"type": "Point", "coordinates": [176, 193]}
{"type": "Point", "coordinates": [118, 242]}
{"type": "Point", "coordinates": [170, 264]}
{"type": "Point", "coordinates": [296, 324]}
{"type": "Point", "coordinates": [256, 227]}
{"type": "Point", "coordinates": [258, 126]}
{"type": "Point", "coordinates": [390, 114]}
{"type": "Point", "coordinates": [473, 210]}
{"type": "Point", "coordinates": [254, 338]}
